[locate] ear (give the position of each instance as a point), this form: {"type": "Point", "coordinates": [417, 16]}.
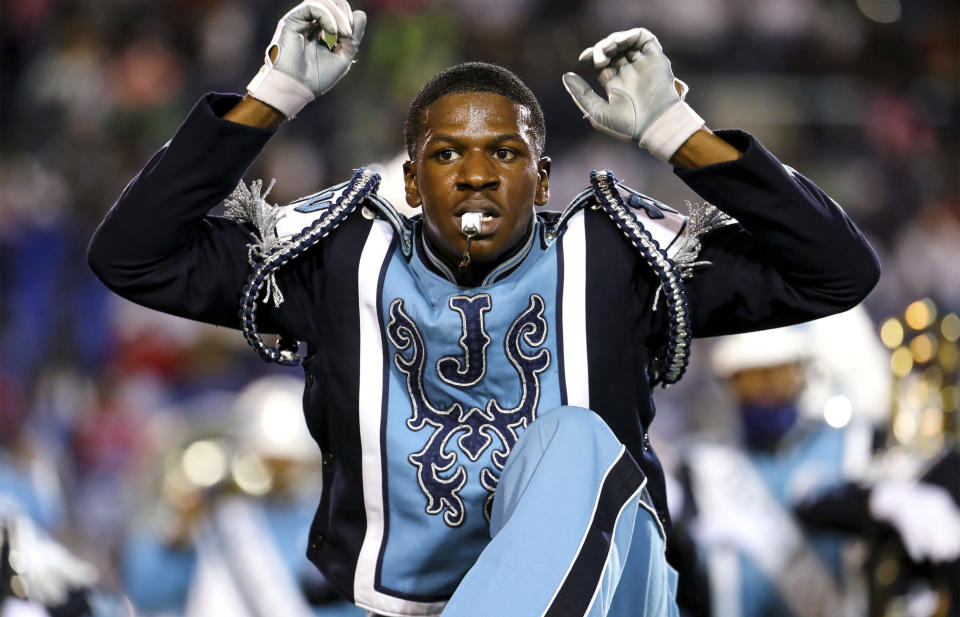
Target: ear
{"type": "Point", "coordinates": [543, 181]}
{"type": "Point", "coordinates": [410, 185]}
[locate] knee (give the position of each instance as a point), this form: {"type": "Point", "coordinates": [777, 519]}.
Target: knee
{"type": "Point", "coordinates": [572, 425]}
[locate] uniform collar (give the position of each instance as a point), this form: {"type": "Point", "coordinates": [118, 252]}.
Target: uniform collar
{"type": "Point", "coordinates": [510, 262]}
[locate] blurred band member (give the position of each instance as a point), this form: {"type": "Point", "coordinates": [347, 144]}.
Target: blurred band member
{"type": "Point", "coordinates": [765, 509]}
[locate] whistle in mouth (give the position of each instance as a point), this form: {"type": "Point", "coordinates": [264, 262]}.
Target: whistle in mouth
{"type": "Point", "coordinates": [470, 223]}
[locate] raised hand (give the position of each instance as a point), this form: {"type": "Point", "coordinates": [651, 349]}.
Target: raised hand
{"type": "Point", "coordinates": [924, 515]}
{"type": "Point", "coordinates": [644, 101]}
{"type": "Point", "coordinates": [311, 50]}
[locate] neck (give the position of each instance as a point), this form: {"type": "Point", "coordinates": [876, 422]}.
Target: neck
{"type": "Point", "coordinates": [472, 274]}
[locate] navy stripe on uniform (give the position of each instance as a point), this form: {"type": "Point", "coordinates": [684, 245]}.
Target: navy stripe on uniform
{"type": "Point", "coordinates": [578, 588]}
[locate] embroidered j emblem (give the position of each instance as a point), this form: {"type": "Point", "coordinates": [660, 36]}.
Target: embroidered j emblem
{"type": "Point", "coordinates": [474, 342]}
{"type": "Point", "coordinates": [438, 474]}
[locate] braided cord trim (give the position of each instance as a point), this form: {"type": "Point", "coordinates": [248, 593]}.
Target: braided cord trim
{"type": "Point", "coordinates": [362, 184]}
{"type": "Point", "coordinates": [670, 368]}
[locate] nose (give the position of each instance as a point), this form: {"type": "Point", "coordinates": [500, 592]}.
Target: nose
{"type": "Point", "coordinates": [477, 172]}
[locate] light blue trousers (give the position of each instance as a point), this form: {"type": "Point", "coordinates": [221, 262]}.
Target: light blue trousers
{"type": "Point", "coordinates": [571, 531]}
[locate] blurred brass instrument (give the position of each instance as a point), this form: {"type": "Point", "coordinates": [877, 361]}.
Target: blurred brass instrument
{"type": "Point", "coordinates": [924, 360]}
{"type": "Point", "coordinates": [923, 442]}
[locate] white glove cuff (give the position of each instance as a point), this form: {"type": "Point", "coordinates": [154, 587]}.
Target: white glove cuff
{"type": "Point", "coordinates": [668, 132]}
{"type": "Point", "coordinates": [279, 90]}
{"type": "Point", "coordinates": [887, 498]}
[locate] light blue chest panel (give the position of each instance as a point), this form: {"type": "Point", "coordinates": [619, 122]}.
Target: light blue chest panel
{"type": "Point", "coordinates": [468, 370]}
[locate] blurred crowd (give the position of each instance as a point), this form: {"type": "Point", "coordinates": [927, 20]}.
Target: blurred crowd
{"type": "Point", "coordinates": [95, 392]}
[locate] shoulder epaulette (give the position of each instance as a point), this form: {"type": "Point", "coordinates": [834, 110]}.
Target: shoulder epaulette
{"type": "Point", "coordinates": [300, 213]}
{"type": "Point", "coordinates": [668, 241]}
{"type": "Point", "coordinates": [286, 232]}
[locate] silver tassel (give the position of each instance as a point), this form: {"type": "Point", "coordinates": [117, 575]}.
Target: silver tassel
{"type": "Point", "coordinates": [703, 218]}
{"type": "Point", "coordinates": [248, 205]}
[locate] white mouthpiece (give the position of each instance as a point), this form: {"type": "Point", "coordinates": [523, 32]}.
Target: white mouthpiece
{"type": "Point", "coordinates": [470, 223]}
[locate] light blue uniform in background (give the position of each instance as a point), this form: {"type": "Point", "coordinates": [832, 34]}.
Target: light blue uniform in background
{"type": "Point", "coordinates": [808, 462]}
{"type": "Point", "coordinates": [752, 559]}
{"type": "Point", "coordinates": [158, 578]}
{"type": "Point", "coordinates": [36, 497]}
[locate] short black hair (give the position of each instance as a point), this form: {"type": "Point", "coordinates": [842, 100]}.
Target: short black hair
{"type": "Point", "coordinates": [473, 77]}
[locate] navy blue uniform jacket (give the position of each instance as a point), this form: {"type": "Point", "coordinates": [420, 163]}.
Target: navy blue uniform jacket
{"type": "Point", "coordinates": [792, 256]}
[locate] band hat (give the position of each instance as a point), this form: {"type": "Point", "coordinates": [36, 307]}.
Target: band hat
{"type": "Point", "coordinates": [731, 354]}
{"type": "Point", "coordinates": [270, 420]}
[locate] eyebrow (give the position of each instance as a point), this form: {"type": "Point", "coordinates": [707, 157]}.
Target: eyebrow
{"type": "Point", "coordinates": [452, 139]}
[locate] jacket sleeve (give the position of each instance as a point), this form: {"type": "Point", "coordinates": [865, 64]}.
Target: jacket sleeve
{"type": "Point", "coordinates": [794, 256]}
{"type": "Point", "coordinates": [158, 247]}
{"type": "Point", "coordinates": [842, 507]}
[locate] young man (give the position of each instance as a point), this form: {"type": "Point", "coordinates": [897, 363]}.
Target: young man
{"type": "Point", "coordinates": [482, 350]}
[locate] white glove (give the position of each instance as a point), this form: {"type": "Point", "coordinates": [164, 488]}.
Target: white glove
{"type": "Point", "coordinates": [924, 515]}
{"type": "Point", "coordinates": [643, 104]}
{"type": "Point", "coordinates": [304, 66]}
{"type": "Point", "coordinates": [49, 570]}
